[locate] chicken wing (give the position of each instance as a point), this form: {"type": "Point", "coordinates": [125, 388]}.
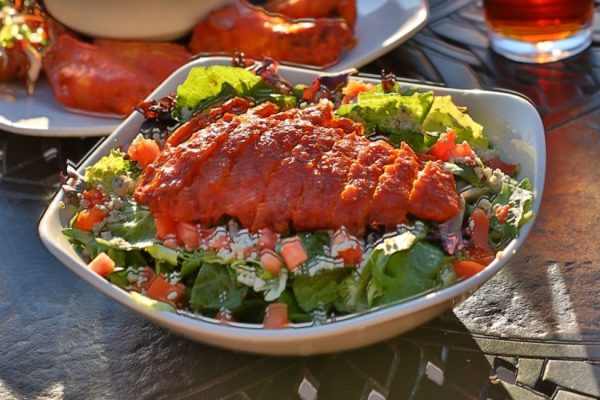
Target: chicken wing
{"type": "Point", "coordinates": [108, 76]}
{"type": "Point", "coordinates": [242, 27]}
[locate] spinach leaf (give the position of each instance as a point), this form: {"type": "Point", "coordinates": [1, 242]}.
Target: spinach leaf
{"type": "Point", "coordinates": [135, 225]}
{"type": "Point", "coordinates": [318, 291]}
{"type": "Point", "coordinates": [216, 287]}
{"type": "Point", "coordinates": [295, 313]}
{"type": "Point", "coordinates": [405, 273]}
{"type": "Point", "coordinates": [193, 261]}
{"type": "Point", "coordinates": [86, 241]}
{"type": "Point", "coordinates": [353, 291]}
{"type": "Point", "coordinates": [119, 278]}
{"type": "Point", "coordinates": [314, 243]}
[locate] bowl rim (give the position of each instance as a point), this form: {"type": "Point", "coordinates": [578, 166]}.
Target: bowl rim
{"type": "Point", "coordinates": [200, 329]}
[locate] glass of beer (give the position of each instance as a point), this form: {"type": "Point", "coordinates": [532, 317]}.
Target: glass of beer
{"type": "Point", "coordinates": [539, 31]}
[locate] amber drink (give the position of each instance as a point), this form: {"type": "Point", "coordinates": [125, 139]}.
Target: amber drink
{"type": "Point", "coordinates": [539, 31]}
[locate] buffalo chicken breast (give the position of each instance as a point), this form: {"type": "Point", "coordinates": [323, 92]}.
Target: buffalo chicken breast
{"type": "Point", "coordinates": [300, 169]}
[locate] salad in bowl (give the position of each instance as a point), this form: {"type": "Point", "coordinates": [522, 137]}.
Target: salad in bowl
{"type": "Point", "coordinates": [247, 201]}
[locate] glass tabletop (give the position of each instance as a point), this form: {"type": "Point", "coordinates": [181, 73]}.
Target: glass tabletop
{"type": "Point", "coordinates": [531, 332]}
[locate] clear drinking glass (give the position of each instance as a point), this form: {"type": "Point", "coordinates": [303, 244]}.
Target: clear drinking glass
{"type": "Point", "coordinates": [539, 31]}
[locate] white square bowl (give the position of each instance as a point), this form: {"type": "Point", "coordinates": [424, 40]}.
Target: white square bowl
{"type": "Point", "coordinates": [511, 123]}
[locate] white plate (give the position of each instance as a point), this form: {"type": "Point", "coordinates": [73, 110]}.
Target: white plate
{"type": "Point", "coordinates": [381, 26]}
{"type": "Point", "coordinates": [42, 115]}
{"type": "Point", "coordinates": [513, 126]}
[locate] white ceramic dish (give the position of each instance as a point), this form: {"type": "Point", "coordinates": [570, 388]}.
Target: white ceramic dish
{"type": "Point", "coordinates": [131, 19]}
{"type": "Point", "coordinates": [381, 26]}
{"type": "Point", "coordinates": [42, 115]}
{"type": "Point", "coordinates": [512, 124]}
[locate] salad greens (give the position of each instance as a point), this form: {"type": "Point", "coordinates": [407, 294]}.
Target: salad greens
{"type": "Point", "coordinates": [205, 86]}
{"type": "Point", "coordinates": [107, 172]}
{"type": "Point", "coordinates": [400, 117]}
{"type": "Point", "coordinates": [445, 114]}
{"type": "Point", "coordinates": [236, 280]}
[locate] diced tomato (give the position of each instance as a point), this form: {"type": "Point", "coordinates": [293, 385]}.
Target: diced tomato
{"type": "Point", "coordinates": [484, 257]}
{"type": "Point", "coordinates": [443, 148]}
{"type": "Point", "coordinates": [86, 219]}
{"type": "Point", "coordinates": [467, 268]}
{"type": "Point", "coordinates": [346, 247]}
{"type": "Point", "coordinates": [165, 226]}
{"type": "Point", "coordinates": [480, 229]}
{"type": "Point", "coordinates": [270, 261]}
{"type": "Point", "coordinates": [276, 316]}
{"type": "Point", "coordinates": [162, 290]}
{"type": "Point", "coordinates": [267, 239]}
{"type": "Point", "coordinates": [145, 277]}
{"type": "Point", "coordinates": [93, 197]}
{"type": "Point", "coordinates": [293, 253]}
{"type": "Point", "coordinates": [102, 264]}
{"type": "Point", "coordinates": [446, 149]}
{"type": "Point", "coordinates": [187, 233]}
{"type": "Point", "coordinates": [144, 151]}
{"type": "Point", "coordinates": [497, 163]}
{"type": "Point", "coordinates": [502, 213]}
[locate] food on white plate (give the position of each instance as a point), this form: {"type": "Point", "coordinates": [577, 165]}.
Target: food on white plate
{"type": "Point", "coordinates": [108, 76]}
{"type": "Point", "coordinates": [120, 74]}
{"type": "Point", "coordinates": [245, 198]}
{"type": "Point", "coordinates": [243, 27]}
{"type": "Point", "coordinates": [105, 76]}
{"type": "Point", "coordinates": [22, 43]}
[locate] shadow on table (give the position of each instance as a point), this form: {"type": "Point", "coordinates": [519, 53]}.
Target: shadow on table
{"type": "Point", "coordinates": [419, 365]}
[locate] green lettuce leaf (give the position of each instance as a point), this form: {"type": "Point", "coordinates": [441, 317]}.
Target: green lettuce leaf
{"type": "Point", "coordinates": [295, 313]}
{"type": "Point", "coordinates": [207, 85]}
{"type": "Point", "coordinates": [520, 199]}
{"type": "Point", "coordinates": [444, 114]}
{"type": "Point", "coordinates": [86, 241]}
{"type": "Point", "coordinates": [314, 243]}
{"type": "Point", "coordinates": [400, 117]}
{"type": "Point", "coordinates": [353, 292]}
{"type": "Point", "coordinates": [134, 225]}
{"type": "Point", "coordinates": [320, 290]}
{"type": "Point", "coordinates": [107, 170]}
{"type": "Point", "coordinates": [216, 287]}
{"type": "Point", "coordinates": [193, 261]}
{"type": "Point", "coordinates": [405, 273]}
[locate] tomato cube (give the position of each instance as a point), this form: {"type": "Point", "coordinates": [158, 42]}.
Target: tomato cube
{"type": "Point", "coordinates": [163, 290]}
{"type": "Point", "coordinates": [276, 316]}
{"type": "Point", "coordinates": [267, 239]}
{"type": "Point", "coordinates": [293, 253]}
{"type": "Point", "coordinates": [271, 262]}
{"type": "Point", "coordinates": [102, 264]}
